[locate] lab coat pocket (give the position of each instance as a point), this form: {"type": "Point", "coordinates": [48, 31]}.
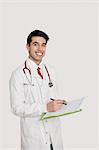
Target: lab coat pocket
{"type": "Point", "coordinates": [29, 92]}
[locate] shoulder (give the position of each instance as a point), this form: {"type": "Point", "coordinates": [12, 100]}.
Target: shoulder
{"type": "Point", "coordinates": [49, 66]}
{"type": "Point", "coordinates": [18, 72]}
{"type": "Point", "coordinates": [51, 70]}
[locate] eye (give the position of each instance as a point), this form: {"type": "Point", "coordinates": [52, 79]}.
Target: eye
{"type": "Point", "coordinates": [44, 45]}
{"type": "Point", "coordinates": [35, 44]}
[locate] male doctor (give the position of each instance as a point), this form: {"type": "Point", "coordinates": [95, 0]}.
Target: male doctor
{"type": "Point", "coordinates": [32, 85]}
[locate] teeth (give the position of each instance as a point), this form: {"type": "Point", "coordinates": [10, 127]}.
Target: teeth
{"type": "Point", "coordinates": [38, 53]}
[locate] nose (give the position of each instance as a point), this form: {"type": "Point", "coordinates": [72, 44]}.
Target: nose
{"type": "Point", "coordinates": [40, 48]}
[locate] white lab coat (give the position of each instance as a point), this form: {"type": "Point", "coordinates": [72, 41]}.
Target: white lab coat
{"type": "Point", "coordinates": [29, 102]}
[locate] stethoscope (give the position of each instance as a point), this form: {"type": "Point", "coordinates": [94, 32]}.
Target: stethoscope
{"type": "Point", "coordinates": [50, 84]}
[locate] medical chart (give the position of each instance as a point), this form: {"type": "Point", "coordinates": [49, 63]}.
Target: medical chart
{"type": "Point", "coordinates": [71, 107]}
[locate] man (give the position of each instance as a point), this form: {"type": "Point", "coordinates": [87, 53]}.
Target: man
{"type": "Point", "coordinates": [32, 86]}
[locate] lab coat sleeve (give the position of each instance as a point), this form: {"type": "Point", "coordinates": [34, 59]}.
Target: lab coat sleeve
{"type": "Point", "coordinates": [19, 106]}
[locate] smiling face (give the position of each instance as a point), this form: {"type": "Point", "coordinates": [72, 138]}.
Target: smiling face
{"type": "Point", "coordinates": [36, 49]}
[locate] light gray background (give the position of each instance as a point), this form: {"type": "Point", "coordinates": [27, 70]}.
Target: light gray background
{"type": "Point", "coordinates": [72, 50]}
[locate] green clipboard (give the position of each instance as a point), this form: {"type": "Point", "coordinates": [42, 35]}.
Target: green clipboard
{"type": "Point", "coordinates": [43, 116]}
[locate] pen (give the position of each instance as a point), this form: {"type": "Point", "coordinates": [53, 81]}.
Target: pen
{"type": "Point", "coordinates": [54, 99]}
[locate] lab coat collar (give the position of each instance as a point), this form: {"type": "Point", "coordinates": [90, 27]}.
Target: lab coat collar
{"type": "Point", "coordinates": [33, 66]}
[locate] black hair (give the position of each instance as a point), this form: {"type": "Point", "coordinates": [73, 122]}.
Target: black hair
{"type": "Point", "coordinates": [37, 33]}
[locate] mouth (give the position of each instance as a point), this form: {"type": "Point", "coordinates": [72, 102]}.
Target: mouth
{"type": "Point", "coordinates": [39, 53]}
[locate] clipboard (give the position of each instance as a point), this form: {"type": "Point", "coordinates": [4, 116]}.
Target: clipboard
{"type": "Point", "coordinates": [71, 108]}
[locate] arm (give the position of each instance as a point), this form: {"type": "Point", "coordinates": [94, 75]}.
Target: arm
{"type": "Point", "coordinates": [19, 106]}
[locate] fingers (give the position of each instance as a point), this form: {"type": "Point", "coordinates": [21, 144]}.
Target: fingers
{"type": "Point", "coordinates": [55, 105]}
{"type": "Point", "coordinates": [59, 101]}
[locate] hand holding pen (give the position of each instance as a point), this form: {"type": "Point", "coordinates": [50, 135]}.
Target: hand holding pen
{"type": "Point", "coordinates": [55, 104]}
{"type": "Point", "coordinates": [65, 103]}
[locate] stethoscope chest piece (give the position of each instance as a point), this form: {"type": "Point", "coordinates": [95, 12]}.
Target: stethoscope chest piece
{"type": "Point", "coordinates": [50, 84]}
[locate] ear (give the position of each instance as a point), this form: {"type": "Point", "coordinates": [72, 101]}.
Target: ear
{"type": "Point", "coordinates": [27, 46]}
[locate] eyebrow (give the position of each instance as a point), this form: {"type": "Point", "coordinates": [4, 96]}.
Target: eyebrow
{"type": "Point", "coordinates": [38, 42]}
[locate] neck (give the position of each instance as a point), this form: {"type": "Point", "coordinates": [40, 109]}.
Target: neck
{"type": "Point", "coordinates": [35, 61]}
